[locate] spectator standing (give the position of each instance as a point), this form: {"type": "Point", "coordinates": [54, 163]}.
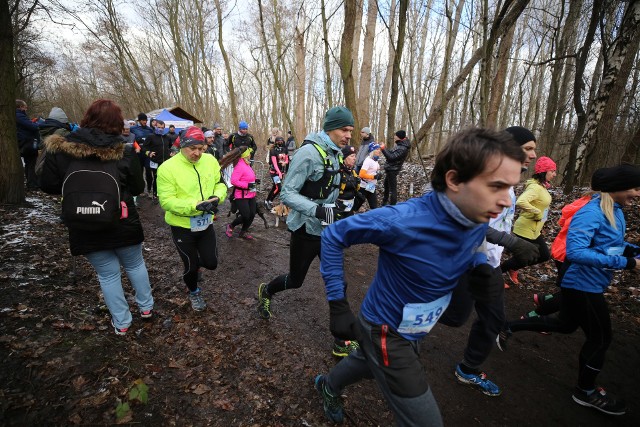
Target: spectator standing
{"type": "Point", "coordinates": [142, 131]}
{"type": "Point", "coordinates": [157, 148]}
{"type": "Point", "coordinates": [28, 143]}
{"type": "Point", "coordinates": [219, 142]}
{"type": "Point", "coordinates": [395, 159]}
{"type": "Point", "coordinates": [172, 135]}
{"type": "Point", "coordinates": [291, 145]}
{"type": "Point", "coordinates": [243, 138]}
{"type": "Point", "coordinates": [363, 151]}
{"type": "Point", "coordinates": [100, 138]}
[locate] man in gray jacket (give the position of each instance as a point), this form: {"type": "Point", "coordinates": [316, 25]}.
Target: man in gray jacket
{"type": "Point", "coordinates": [310, 190]}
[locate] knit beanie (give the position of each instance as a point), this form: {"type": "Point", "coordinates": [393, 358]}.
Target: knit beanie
{"type": "Point", "coordinates": [126, 124]}
{"type": "Point", "coordinates": [401, 134]}
{"type": "Point", "coordinates": [348, 150]}
{"type": "Point", "coordinates": [336, 118]}
{"type": "Point", "coordinates": [190, 136]}
{"type": "Point", "coordinates": [373, 146]}
{"type": "Point", "coordinates": [243, 125]}
{"type": "Point", "coordinates": [217, 125]}
{"type": "Point", "coordinates": [209, 134]}
{"type": "Point", "coordinates": [366, 130]}
{"type": "Point", "coordinates": [617, 178]}
{"type": "Point", "coordinates": [142, 116]}
{"type": "Point", "coordinates": [58, 114]}
{"type": "Point", "coordinates": [544, 164]}
{"type": "Point", "coordinates": [521, 135]}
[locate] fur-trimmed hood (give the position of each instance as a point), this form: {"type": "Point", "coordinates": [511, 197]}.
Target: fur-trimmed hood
{"type": "Point", "coordinates": [81, 144]}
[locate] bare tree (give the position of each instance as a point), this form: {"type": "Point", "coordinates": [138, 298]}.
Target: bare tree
{"type": "Point", "coordinates": [393, 101]}
{"type": "Point", "coordinates": [327, 66]}
{"type": "Point", "coordinates": [227, 65]}
{"type": "Point", "coordinates": [364, 91]}
{"type": "Point", "coordinates": [347, 66]}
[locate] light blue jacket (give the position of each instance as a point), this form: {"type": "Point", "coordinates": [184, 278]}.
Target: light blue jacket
{"type": "Point", "coordinates": [594, 248]}
{"type": "Point", "coordinates": [425, 245]}
{"type": "Point", "coordinates": [308, 164]}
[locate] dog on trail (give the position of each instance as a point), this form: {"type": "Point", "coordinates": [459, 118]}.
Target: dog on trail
{"type": "Point", "coordinates": [280, 211]}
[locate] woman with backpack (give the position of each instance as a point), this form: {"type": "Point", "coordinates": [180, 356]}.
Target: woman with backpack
{"type": "Point", "coordinates": [534, 202]}
{"type": "Point", "coordinates": [96, 155]}
{"type": "Point", "coordinates": [595, 248]}
{"type": "Point", "coordinates": [278, 163]}
{"type": "Point", "coordinates": [243, 179]}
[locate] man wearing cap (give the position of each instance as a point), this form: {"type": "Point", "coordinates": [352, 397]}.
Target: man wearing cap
{"type": "Point", "coordinates": [189, 190]}
{"type": "Point", "coordinates": [395, 158]}
{"type": "Point", "coordinates": [57, 123]}
{"type": "Point", "coordinates": [142, 131]}
{"type": "Point", "coordinates": [157, 148]}
{"type": "Point", "coordinates": [363, 151]}
{"type": "Point", "coordinates": [243, 138]}
{"type": "Point", "coordinates": [310, 191]}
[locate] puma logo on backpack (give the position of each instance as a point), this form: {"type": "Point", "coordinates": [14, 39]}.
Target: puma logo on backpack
{"type": "Point", "coordinates": [91, 195]}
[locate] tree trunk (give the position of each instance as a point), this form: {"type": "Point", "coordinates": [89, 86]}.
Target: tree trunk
{"type": "Point", "coordinates": [357, 33]}
{"type": "Point", "coordinates": [11, 170]}
{"type": "Point", "coordinates": [393, 100]}
{"type": "Point", "coordinates": [300, 130]}
{"type": "Point", "coordinates": [227, 64]}
{"type": "Point", "coordinates": [384, 95]}
{"type": "Point", "coordinates": [500, 78]}
{"type": "Point", "coordinates": [347, 65]}
{"type": "Point", "coordinates": [364, 91]}
{"type": "Point", "coordinates": [632, 150]}
{"type": "Point", "coordinates": [327, 63]}
{"type": "Point", "coordinates": [620, 57]}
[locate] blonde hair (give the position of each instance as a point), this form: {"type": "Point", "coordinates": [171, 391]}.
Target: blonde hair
{"type": "Point", "coordinates": [606, 205]}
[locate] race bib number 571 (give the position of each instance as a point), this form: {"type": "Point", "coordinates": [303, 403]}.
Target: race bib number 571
{"type": "Point", "coordinates": [420, 318]}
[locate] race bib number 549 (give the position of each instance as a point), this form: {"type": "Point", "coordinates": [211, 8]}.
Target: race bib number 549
{"type": "Point", "coordinates": [419, 318]}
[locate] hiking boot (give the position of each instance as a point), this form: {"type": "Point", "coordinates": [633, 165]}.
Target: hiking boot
{"type": "Point", "coordinates": [478, 381]}
{"type": "Point", "coordinates": [146, 314]}
{"type": "Point", "coordinates": [513, 277]}
{"type": "Point", "coordinates": [600, 400]}
{"type": "Point", "coordinates": [119, 331]}
{"type": "Point", "coordinates": [331, 404]}
{"type": "Point", "coordinates": [501, 339]}
{"type": "Point", "coordinates": [344, 348]}
{"type": "Point", "coordinates": [229, 231]}
{"type": "Point", "coordinates": [197, 302]}
{"type": "Point", "coordinates": [264, 301]}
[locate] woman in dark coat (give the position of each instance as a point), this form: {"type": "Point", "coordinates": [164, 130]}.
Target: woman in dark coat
{"type": "Point", "coordinates": [99, 139]}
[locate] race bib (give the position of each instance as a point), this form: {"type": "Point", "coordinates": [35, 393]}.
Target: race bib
{"type": "Point", "coordinates": [370, 187]}
{"type": "Point", "coordinates": [153, 165]}
{"type": "Point", "coordinates": [346, 205]}
{"type": "Point", "coordinates": [420, 318]}
{"type": "Point", "coordinates": [615, 250]}
{"type": "Point", "coordinates": [545, 215]}
{"type": "Point", "coordinates": [200, 222]}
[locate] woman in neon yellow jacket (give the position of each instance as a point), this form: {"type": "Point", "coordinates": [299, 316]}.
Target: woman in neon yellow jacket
{"type": "Point", "coordinates": [189, 190]}
{"type": "Point", "coordinates": [534, 203]}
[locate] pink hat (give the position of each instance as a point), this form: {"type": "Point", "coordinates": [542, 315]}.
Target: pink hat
{"type": "Point", "coordinates": [544, 164]}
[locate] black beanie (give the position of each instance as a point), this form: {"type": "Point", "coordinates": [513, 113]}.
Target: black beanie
{"type": "Point", "coordinates": [617, 178]}
{"type": "Point", "coordinates": [521, 135]}
{"type": "Point", "coordinates": [142, 116]}
{"type": "Point", "coordinates": [348, 150]}
{"type": "Point", "coordinates": [401, 134]}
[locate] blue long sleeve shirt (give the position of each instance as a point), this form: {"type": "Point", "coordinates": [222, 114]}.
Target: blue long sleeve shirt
{"type": "Point", "coordinates": [425, 245]}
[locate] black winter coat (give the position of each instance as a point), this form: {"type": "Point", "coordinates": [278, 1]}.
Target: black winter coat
{"type": "Point", "coordinates": [159, 144]}
{"type": "Point", "coordinates": [397, 155]}
{"type": "Point", "coordinates": [86, 143]}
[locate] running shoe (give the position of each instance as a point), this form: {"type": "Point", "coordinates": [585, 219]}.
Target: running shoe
{"type": "Point", "coordinates": [501, 339]}
{"type": "Point", "coordinates": [513, 276]}
{"type": "Point", "coordinates": [331, 404]}
{"type": "Point", "coordinates": [229, 231]}
{"type": "Point", "coordinates": [146, 314]}
{"type": "Point", "coordinates": [119, 331]}
{"type": "Point", "coordinates": [197, 302]}
{"type": "Point", "coordinates": [246, 236]}
{"type": "Point", "coordinates": [600, 400]}
{"type": "Point", "coordinates": [478, 381]}
{"type": "Point", "coordinates": [344, 348]}
{"type": "Point", "coordinates": [264, 302]}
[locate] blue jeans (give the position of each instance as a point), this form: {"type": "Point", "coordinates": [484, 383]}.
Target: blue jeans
{"type": "Point", "coordinates": [107, 264]}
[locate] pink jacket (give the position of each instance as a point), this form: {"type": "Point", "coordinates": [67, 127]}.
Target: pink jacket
{"type": "Point", "coordinates": [241, 177]}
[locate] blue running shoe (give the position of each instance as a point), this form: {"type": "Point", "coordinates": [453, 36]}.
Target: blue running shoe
{"type": "Point", "coordinates": [332, 404]}
{"type": "Point", "coordinates": [478, 381]}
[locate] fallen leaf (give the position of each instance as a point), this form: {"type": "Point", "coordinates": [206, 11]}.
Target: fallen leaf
{"type": "Point", "coordinates": [201, 389]}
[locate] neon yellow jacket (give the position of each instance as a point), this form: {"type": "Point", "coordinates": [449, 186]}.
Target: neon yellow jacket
{"type": "Point", "coordinates": [534, 203]}
{"type": "Point", "coordinates": [179, 187]}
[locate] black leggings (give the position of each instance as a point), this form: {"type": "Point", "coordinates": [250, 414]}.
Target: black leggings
{"type": "Point", "coordinates": [197, 249]}
{"type": "Point", "coordinates": [246, 211]}
{"type": "Point", "coordinates": [365, 195]}
{"type": "Point", "coordinates": [514, 264]}
{"type": "Point", "coordinates": [302, 251]}
{"type": "Point", "coordinates": [275, 190]}
{"type": "Point", "coordinates": [588, 311]}
{"type": "Point", "coordinates": [390, 188]}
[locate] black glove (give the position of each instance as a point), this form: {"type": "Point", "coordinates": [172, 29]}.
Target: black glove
{"type": "Point", "coordinates": [342, 322]}
{"type": "Point", "coordinates": [485, 283]}
{"type": "Point", "coordinates": [523, 250]}
{"type": "Point", "coordinates": [330, 215]}
{"type": "Point", "coordinates": [209, 207]}
{"type": "Point", "coordinates": [631, 252]}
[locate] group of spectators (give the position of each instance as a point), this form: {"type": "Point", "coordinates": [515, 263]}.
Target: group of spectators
{"type": "Point", "coordinates": [432, 261]}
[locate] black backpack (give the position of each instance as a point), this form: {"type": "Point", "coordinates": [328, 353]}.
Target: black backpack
{"type": "Point", "coordinates": [91, 195]}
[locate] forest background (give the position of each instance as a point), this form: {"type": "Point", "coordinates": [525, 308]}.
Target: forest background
{"type": "Point", "coordinates": [569, 70]}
